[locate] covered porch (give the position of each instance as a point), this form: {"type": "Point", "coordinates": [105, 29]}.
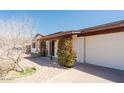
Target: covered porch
{"type": "Point", "coordinates": [49, 43]}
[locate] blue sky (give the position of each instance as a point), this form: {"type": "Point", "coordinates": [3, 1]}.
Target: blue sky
{"type": "Point", "coordinates": [51, 21]}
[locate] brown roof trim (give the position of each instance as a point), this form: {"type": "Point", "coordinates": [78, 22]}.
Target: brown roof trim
{"type": "Point", "coordinates": [60, 34]}
{"type": "Point", "coordinates": [108, 31]}
{"type": "Point", "coordinates": [107, 26]}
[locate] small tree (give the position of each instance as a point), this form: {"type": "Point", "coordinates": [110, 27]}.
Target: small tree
{"type": "Point", "coordinates": [15, 33]}
{"type": "Point", "coordinates": [66, 55]}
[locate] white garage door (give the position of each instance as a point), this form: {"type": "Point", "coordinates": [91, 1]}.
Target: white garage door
{"type": "Point", "coordinates": [106, 50]}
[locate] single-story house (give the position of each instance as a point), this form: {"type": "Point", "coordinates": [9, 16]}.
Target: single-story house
{"type": "Point", "coordinates": [101, 45]}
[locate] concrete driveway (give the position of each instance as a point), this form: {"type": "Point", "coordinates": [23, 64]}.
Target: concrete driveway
{"type": "Point", "coordinates": [50, 72]}
{"type": "Point", "coordinates": [86, 73]}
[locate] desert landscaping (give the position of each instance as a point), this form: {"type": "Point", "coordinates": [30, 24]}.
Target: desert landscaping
{"type": "Point", "coordinates": [44, 71]}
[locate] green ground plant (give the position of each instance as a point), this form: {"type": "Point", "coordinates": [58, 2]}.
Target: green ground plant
{"type": "Point", "coordinates": [28, 71]}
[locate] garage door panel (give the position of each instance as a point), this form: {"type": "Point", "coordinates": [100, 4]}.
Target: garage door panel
{"type": "Point", "coordinates": [106, 50]}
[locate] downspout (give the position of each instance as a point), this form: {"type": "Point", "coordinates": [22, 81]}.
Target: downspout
{"type": "Point", "coordinates": [84, 49]}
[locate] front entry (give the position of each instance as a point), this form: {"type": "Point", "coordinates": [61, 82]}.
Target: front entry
{"type": "Point", "coordinates": [43, 49]}
{"type": "Point", "coordinates": [52, 44]}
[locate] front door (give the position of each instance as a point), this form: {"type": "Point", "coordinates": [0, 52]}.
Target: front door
{"type": "Point", "coordinates": [43, 48]}
{"type": "Point", "coordinates": [52, 44]}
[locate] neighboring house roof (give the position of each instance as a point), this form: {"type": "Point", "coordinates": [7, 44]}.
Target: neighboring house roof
{"type": "Point", "coordinates": [37, 37]}
{"type": "Point", "coordinates": [117, 26]}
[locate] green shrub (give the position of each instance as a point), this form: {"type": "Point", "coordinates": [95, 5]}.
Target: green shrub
{"type": "Point", "coordinates": [28, 70]}
{"type": "Point", "coordinates": [66, 55]}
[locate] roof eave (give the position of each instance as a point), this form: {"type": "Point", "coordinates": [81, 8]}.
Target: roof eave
{"type": "Point", "coordinates": [56, 36]}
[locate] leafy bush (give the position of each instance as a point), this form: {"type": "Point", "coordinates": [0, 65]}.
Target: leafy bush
{"type": "Point", "coordinates": [66, 55]}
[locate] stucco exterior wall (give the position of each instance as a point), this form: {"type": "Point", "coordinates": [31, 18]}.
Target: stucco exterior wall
{"type": "Point", "coordinates": [78, 46]}
{"type": "Point", "coordinates": [37, 47]}
{"type": "Point", "coordinates": [33, 50]}
{"type": "Point", "coordinates": [56, 48]}
{"type": "Point", "coordinates": [106, 50]}
{"type": "Point", "coordinates": [81, 49]}
{"type": "Point", "coordinates": [48, 47]}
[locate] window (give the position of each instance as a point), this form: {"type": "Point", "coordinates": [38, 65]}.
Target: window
{"type": "Point", "coordinates": [33, 45]}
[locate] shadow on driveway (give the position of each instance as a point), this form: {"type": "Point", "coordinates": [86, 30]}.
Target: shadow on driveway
{"type": "Point", "coordinates": [103, 72]}
{"type": "Point", "coordinates": [45, 61]}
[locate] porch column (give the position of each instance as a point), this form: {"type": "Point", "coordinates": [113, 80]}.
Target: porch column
{"type": "Point", "coordinates": [56, 48]}
{"type": "Point", "coordinates": [75, 45]}
{"type": "Point", "coordinates": [51, 57]}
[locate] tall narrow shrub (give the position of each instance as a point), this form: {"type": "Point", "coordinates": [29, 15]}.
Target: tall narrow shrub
{"type": "Point", "coordinates": [66, 55]}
